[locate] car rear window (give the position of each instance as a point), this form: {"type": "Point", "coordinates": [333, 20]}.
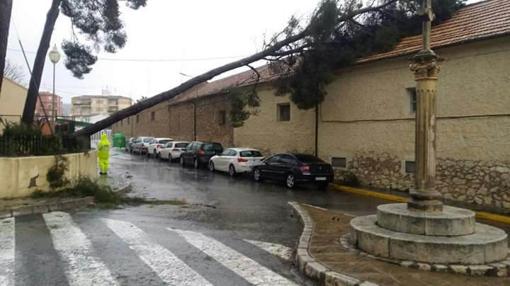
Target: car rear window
{"type": "Point", "coordinates": [146, 140]}
{"type": "Point", "coordinates": [251, 153]}
{"type": "Point", "coordinates": [212, 147]}
{"type": "Point", "coordinates": [181, 145]}
{"type": "Point", "coordinates": [308, 158]}
{"type": "Point", "coordinates": [164, 141]}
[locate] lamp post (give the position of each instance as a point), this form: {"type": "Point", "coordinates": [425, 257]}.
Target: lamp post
{"type": "Point", "coordinates": [426, 68]}
{"type": "Point", "coordinates": [54, 56]}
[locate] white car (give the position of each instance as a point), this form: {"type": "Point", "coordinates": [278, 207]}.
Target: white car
{"type": "Point", "coordinates": [155, 146]}
{"type": "Point", "coordinates": [236, 160]}
{"type": "Point", "coordinates": [173, 150]}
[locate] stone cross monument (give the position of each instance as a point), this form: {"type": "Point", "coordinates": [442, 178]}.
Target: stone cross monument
{"type": "Point", "coordinates": [423, 231]}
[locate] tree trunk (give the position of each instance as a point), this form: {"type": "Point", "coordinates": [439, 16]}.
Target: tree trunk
{"type": "Point", "coordinates": [40, 58]}
{"type": "Point", "coordinates": [5, 21]}
{"type": "Point", "coordinates": [134, 109]}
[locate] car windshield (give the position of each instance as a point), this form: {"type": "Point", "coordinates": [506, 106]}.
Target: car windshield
{"type": "Point", "coordinates": [181, 145]}
{"type": "Point", "coordinates": [308, 158]}
{"type": "Point", "coordinates": [213, 147]}
{"type": "Point", "coordinates": [147, 140]}
{"type": "Point", "coordinates": [250, 153]}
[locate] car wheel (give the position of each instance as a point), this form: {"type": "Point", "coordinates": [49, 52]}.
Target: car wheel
{"type": "Point", "coordinates": [211, 166]}
{"type": "Point", "coordinates": [182, 161]}
{"type": "Point", "coordinates": [290, 181]}
{"type": "Point", "coordinates": [232, 171]}
{"type": "Point", "coordinates": [196, 164]}
{"type": "Point", "coordinates": [257, 175]}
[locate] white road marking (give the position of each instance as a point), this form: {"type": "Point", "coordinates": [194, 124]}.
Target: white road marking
{"type": "Point", "coordinates": [75, 249]}
{"type": "Point", "coordinates": [278, 250]}
{"type": "Point", "coordinates": [7, 244]}
{"type": "Point", "coordinates": [163, 262]}
{"type": "Point", "coordinates": [245, 267]}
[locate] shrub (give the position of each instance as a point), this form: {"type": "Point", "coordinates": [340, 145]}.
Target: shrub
{"type": "Point", "coordinates": [56, 174]}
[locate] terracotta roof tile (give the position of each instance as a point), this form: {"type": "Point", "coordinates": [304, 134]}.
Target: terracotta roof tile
{"type": "Point", "coordinates": [477, 21]}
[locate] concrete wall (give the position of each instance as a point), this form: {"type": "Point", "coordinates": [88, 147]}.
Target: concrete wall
{"type": "Point", "coordinates": [366, 118]}
{"type": "Point", "coordinates": [21, 176]}
{"type": "Point", "coordinates": [12, 101]}
{"type": "Point", "coordinates": [263, 130]}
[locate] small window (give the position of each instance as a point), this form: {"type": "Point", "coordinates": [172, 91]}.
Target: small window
{"type": "Point", "coordinates": [137, 118]}
{"type": "Point", "coordinates": [410, 167]}
{"type": "Point", "coordinates": [283, 113]}
{"type": "Point", "coordinates": [222, 117]}
{"type": "Point", "coordinates": [411, 93]}
{"type": "Point", "coordinates": [153, 115]}
{"type": "Point", "coordinates": [340, 162]}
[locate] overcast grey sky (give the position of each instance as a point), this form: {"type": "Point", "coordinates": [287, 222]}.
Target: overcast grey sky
{"type": "Point", "coordinates": [165, 39]}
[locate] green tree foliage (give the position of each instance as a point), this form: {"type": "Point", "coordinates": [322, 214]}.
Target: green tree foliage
{"type": "Point", "coordinates": [99, 25]}
{"type": "Point", "coordinates": [307, 65]}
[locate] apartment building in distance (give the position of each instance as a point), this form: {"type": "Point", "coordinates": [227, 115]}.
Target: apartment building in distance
{"type": "Point", "coordinates": [92, 108]}
{"type": "Point", "coordinates": [45, 103]}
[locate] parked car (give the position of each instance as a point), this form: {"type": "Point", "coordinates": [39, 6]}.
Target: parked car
{"type": "Point", "coordinates": [236, 160]}
{"type": "Point", "coordinates": [198, 153]}
{"type": "Point", "coordinates": [141, 143]}
{"type": "Point", "coordinates": [293, 168]}
{"type": "Point", "coordinates": [129, 144]}
{"type": "Point", "coordinates": [155, 146]}
{"type": "Point", "coordinates": [173, 150]}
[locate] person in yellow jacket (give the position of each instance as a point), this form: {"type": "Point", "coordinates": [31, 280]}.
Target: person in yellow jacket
{"type": "Point", "coordinates": [103, 154]}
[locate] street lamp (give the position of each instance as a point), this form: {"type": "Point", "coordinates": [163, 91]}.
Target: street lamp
{"type": "Point", "coordinates": [54, 56]}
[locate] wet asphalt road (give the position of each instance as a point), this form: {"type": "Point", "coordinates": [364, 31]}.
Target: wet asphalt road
{"type": "Point", "coordinates": [150, 245]}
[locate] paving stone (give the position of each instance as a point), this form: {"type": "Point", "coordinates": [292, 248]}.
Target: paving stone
{"type": "Point", "coordinates": [478, 270]}
{"type": "Point", "coordinates": [337, 279]}
{"type": "Point", "coordinates": [461, 269]}
{"type": "Point", "coordinates": [315, 270]}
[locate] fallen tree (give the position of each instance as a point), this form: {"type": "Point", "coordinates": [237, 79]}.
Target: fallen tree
{"type": "Point", "coordinates": [336, 34]}
{"type": "Point", "coordinates": [276, 49]}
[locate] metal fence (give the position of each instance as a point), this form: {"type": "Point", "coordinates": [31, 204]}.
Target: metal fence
{"type": "Point", "coordinates": [27, 145]}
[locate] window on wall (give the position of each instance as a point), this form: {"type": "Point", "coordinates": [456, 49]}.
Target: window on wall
{"type": "Point", "coordinates": [137, 118]}
{"type": "Point", "coordinates": [410, 167]}
{"type": "Point", "coordinates": [222, 117]}
{"type": "Point", "coordinates": [411, 94]}
{"type": "Point", "coordinates": [283, 112]}
{"type": "Point", "coordinates": [340, 162]}
{"type": "Point", "coordinates": [153, 115]}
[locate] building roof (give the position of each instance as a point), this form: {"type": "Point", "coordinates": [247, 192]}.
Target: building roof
{"type": "Point", "coordinates": [478, 21]}
{"type": "Point", "coordinates": [100, 96]}
{"type": "Point", "coordinates": [482, 20]}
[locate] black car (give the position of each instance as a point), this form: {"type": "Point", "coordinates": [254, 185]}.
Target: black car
{"type": "Point", "coordinates": [198, 153]}
{"type": "Point", "coordinates": [293, 169]}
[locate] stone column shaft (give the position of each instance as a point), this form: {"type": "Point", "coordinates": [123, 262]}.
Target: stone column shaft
{"type": "Point", "coordinates": [424, 196]}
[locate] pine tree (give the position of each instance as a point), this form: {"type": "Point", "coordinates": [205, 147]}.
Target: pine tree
{"type": "Point", "coordinates": [99, 26]}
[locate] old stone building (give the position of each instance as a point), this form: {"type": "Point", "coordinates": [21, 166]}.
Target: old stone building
{"type": "Point", "coordinates": [365, 125]}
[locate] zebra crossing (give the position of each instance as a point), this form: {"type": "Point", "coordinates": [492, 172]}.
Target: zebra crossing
{"type": "Point", "coordinates": [83, 265]}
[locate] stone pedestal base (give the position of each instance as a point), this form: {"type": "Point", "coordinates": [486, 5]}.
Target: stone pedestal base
{"type": "Point", "coordinates": [449, 237]}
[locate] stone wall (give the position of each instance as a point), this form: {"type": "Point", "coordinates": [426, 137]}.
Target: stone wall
{"type": "Point", "coordinates": [480, 183]}
{"type": "Point", "coordinates": [177, 121]}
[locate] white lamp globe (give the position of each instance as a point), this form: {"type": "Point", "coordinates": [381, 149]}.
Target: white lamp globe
{"type": "Point", "coordinates": [54, 55]}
